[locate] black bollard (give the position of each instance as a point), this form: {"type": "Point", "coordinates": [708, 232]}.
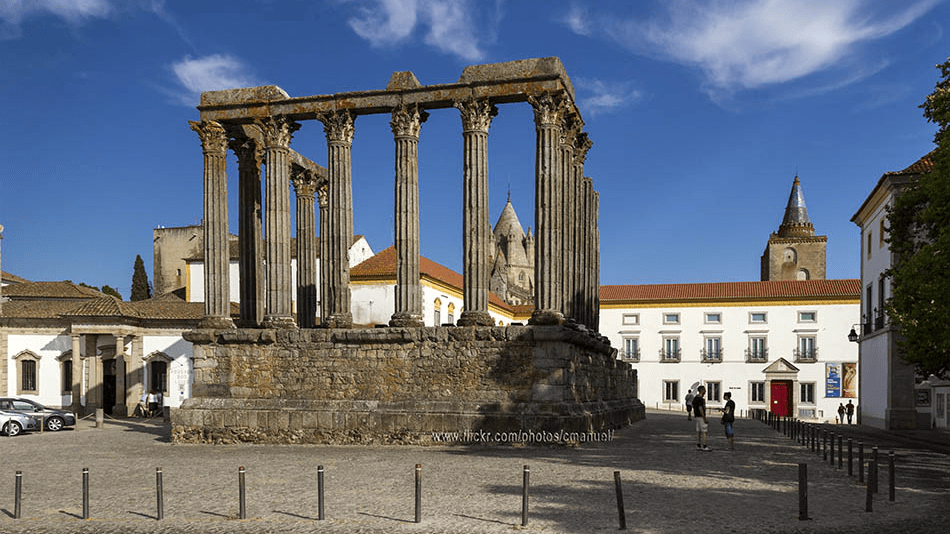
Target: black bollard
{"type": "Point", "coordinates": [242, 501]}
{"type": "Point", "coordinates": [890, 476]}
{"type": "Point", "coordinates": [159, 492]}
{"type": "Point", "coordinates": [18, 494]}
{"type": "Point", "coordinates": [320, 492]}
{"type": "Point", "coordinates": [620, 512]}
{"type": "Point", "coordinates": [85, 493]}
{"type": "Point", "coordinates": [418, 493]}
{"type": "Point", "coordinates": [524, 497]}
{"type": "Point", "coordinates": [875, 460]}
{"type": "Point", "coordinates": [824, 445]}
{"type": "Point", "coordinates": [850, 457]}
{"type": "Point", "coordinates": [802, 492]}
{"type": "Point", "coordinates": [840, 452]}
{"type": "Point", "coordinates": [831, 454]}
{"type": "Point", "coordinates": [869, 494]}
{"type": "Point", "coordinates": [861, 461]}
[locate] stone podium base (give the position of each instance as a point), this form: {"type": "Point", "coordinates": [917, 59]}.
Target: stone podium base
{"type": "Point", "coordinates": [404, 385]}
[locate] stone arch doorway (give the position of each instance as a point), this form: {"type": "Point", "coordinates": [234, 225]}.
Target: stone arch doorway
{"type": "Point", "coordinates": [108, 384]}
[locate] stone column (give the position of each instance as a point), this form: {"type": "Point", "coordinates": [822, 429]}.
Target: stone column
{"type": "Point", "coordinates": [278, 310]}
{"type": "Point", "coordinates": [324, 201]}
{"type": "Point", "coordinates": [565, 219]}
{"type": "Point", "coordinates": [581, 287]}
{"type": "Point", "coordinates": [338, 126]}
{"type": "Point", "coordinates": [548, 119]}
{"type": "Point", "coordinates": [215, 225]}
{"type": "Point", "coordinates": [595, 260]}
{"type": "Point", "coordinates": [135, 375]}
{"type": "Point", "coordinates": [75, 404]}
{"type": "Point", "coordinates": [93, 378]}
{"type": "Point", "coordinates": [588, 268]}
{"type": "Point", "coordinates": [305, 186]}
{"type": "Point", "coordinates": [119, 408]}
{"type": "Point", "coordinates": [405, 124]}
{"type": "Point", "coordinates": [476, 227]}
{"type": "Point", "coordinates": [250, 242]}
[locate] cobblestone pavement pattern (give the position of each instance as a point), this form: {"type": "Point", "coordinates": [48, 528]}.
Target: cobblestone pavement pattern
{"type": "Point", "coordinates": [669, 486]}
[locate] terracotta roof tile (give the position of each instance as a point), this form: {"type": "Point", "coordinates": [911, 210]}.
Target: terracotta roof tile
{"type": "Point", "coordinates": [37, 309]}
{"type": "Point", "coordinates": [921, 166]}
{"type": "Point", "coordinates": [733, 290]}
{"type": "Point", "coordinates": [50, 290]}
{"type": "Point", "coordinates": [383, 266]}
{"type": "Point", "coordinates": [11, 278]}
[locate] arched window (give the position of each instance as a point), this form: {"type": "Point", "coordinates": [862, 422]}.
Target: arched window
{"type": "Point", "coordinates": [803, 274]}
{"type": "Point", "coordinates": [437, 312]}
{"type": "Point", "coordinates": [451, 313]}
{"type": "Point", "coordinates": [157, 366]}
{"type": "Point", "coordinates": [790, 255]}
{"type": "Point", "coordinates": [27, 364]}
{"type": "Point", "coordinates": [66, 371]}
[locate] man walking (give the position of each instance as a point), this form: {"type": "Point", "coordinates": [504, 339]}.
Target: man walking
{"type": "Point", "coordinates": [689, 405]}
{"type": "Point", "coordinates": [729, 417]}
{"type": "Point", "coordinates": [850, 411]}
{"type": "Point", "coordinates": [702, 425]}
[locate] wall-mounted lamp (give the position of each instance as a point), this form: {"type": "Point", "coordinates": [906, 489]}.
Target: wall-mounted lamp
{"type": "Point", "coordinates": [853, 335]}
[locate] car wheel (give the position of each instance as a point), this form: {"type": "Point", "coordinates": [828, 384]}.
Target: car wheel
{"type": "Point", "coordinates": [54, 424]}
{"type": "Point", "coordinates": [12, 428]}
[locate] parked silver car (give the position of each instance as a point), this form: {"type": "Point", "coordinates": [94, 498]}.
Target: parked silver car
{"type": "Point", "coordinates": [12, 423]}
{"type": "Point", "coordinates": [55, 419]}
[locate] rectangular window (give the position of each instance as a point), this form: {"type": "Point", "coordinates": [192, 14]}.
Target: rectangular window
{"type": "Point", "coordinates": [671, 318]}
{"type": "Point", "coordinates": [28, 375]}
{"type": "Point", "coordinates": [158, 377]}
{"type": "Point", "coordinates": [437, 318]}
{"type": "Point", "coordinates": [713, 349]}
{"type": "Point", "coordinates": [631, 348]}
{"type": "Point", "coordinates": [451, 318]}
{"type": "Point", "coordinates": [67, 375]}
{"type": "Point", "coordinates": [880, 234]}
{"type": "Point", "coordinates": [807, 393]}
{"type": "Point", "coordinates": [807, 317]}
{"type": "Point", "coordinates": [758, 352]}
{"type": "Point", "coordinates": [757, 391]}
{"type": "Point", "coordinates": [806, 348]}
{"type": "Point", "coordinates": [713, 318]}
{"type": "Point", "coordinates": [671, 349]}
{"type": "Point", "coordinates": [671, 391]}
{"type": "Point", "coordinates": [631, 318]}
{"type": "Point", "coordinates": [758, 317]}
{"type": "Point", "coordinates": [869, 244]}
{"type": "Point", "coordinates": [714, 391]}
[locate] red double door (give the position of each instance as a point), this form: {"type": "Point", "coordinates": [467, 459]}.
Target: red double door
{"type": "Point", "coordinates": [781, 397]}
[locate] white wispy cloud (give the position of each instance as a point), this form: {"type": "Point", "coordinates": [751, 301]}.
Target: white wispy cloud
{"type": "Point", "coordinates": [578, 20]}
{"type": "Point", "coordinates": [13, 12]}
{"type": "Point", "coordinates": [449, 25]}
{"type": "Point", "coordinates": [210, 73]}
{"type": "Point", "coordinates": [600, 96]}
{"type": "Point", "coordinates": [750, 44]}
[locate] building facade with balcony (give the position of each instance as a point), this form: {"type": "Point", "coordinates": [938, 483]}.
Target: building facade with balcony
{"type": "Point", "coordinates": [890, 396]}
{"type": "Point", "coordinates": [776, 345]}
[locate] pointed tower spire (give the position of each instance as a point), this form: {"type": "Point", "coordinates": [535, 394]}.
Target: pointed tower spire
{"type": "Point", "coordinates": [796, 223]}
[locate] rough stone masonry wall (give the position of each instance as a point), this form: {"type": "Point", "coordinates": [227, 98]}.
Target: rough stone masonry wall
{"type": "Point", "coordinates": [399, 385]}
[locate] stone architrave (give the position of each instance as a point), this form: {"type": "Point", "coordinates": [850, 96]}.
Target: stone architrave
{"type": "Point", "coordinates": [250, 225]}
{"type": "Point", "coordinates": [324, 201]}
{"type": "Point", "coordinates": [214, 142]}
{"type": "Point", "coordinates": [406, 123]}
{"type": "Point", "coordinates": [305, 186]}
{"type": "Point", "coordinates": [75, 388]}
{"type": "Point", "coordinates": [338, 126]}
{"type": "Point", "coordinates": [549, 111]}
{"type": "Point", "coordinates": [476, 226]}
{"type": "Point", "coordinates": [277, 132]}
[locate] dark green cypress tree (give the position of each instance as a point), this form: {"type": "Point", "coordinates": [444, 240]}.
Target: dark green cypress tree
{"type": "Point", "coordinates": [141, 289]}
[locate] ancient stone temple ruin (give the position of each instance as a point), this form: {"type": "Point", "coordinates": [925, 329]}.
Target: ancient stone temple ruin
{"type": "Point", "coordinates": [273, 376]}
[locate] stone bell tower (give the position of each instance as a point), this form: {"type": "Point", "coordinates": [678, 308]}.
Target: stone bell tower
{"type": "Point", "coordinates": [795, 252]}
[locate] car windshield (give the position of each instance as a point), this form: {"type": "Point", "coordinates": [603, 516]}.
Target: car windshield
{"type": "Point", "coordinates": [27, 406]}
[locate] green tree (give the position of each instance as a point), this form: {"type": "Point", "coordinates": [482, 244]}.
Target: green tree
{"type": "Point", "coordinates": [919, 237]}
{"type": "Point", "coordinates": [109, 291]}
{"type": "Point", "coordinates": [141, 289]}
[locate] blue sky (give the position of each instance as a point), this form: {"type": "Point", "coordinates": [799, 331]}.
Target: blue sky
{"type": "Point", "coordinates": [701, 114]}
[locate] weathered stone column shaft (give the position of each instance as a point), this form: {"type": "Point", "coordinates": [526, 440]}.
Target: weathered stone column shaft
{"type": "Point", "coordinates": [476, 226]}
{"type": "Point", "coordinates": [324, 201]}
{"type": "Point", "coordinates": [75, 404]}
{"type": "Point", "coordinates": [215, 225]}
{"type": "Point", "coordinates": [250, 226]}
{"type": "Point", "coordinates": [548, 116]}
{"type": "Point", "coordinates": [305, 187]}
{"type": "Point", "coordinates": [277, 133]}
{"type": "Point", "coordinates": [406, 124]}
{"type": "Point", "coordinates": [338, 126]}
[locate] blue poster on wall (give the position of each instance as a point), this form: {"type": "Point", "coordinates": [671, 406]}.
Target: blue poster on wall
{"type": "Point", "coordinates": [832, 380]}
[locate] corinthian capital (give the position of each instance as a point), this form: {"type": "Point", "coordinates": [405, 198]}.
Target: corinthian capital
{"type": "Point", "coordinates": [277, 131]}
{"type": "Point", "coordinates": [581, 145]}
{"type": "Point", "coordinates": [323, 196]}
{"type": "Point", "coordinates": [303, 181]}
{"type": "Point", "coordinates": [476, 115]}
{"type": "Point", "coordinates": [407, 121]}
{"type": "Point", "coordinates": [338, 125]}
{"type": "Point", "coordinates": [214, 140]}
{"type": "Point", "coordinates": [549, 110]}
{"type": "Point", "coordinates": [248, 151]}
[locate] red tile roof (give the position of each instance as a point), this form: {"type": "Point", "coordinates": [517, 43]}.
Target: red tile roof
{"type": "Point", "coordinates": [848, 288]}
{"type": "Point", "coordinates": [11, 277]}
{"type": "Point", "coordinates": [382, 266]}
{"type": "Point", "coordinates": [50, 290]}
{"type": "Point", "coordinates": [921, 166]}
